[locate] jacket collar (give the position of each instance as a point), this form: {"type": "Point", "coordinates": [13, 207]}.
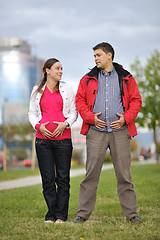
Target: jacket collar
{"type": "Point", "coordinates": [94, 72]}
{"type": "Point", "coordinates": [60, 84]}
{"type": "Point", "coordinates": [119, 69]}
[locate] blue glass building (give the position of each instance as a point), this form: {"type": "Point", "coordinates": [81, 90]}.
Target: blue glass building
{"type": "Point", "coordinates": [19, 71]}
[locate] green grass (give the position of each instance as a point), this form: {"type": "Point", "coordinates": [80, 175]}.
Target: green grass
{"type": "Point", "coordinates": [22, 211]}
{"type": "Point", "coordinates": [15, 174]}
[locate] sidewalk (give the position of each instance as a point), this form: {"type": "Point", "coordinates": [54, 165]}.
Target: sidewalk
{"type": "Point", "coordinates": [34, 180]}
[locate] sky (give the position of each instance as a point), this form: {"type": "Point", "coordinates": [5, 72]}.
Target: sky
{"type": "Point", "coordinates": [69, 29]}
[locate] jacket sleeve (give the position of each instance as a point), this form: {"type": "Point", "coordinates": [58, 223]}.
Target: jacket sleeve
{"type": "Point", "coordinates": [73, 114]}
{"type": "Point", "coordinates": [134, 101]}
{"type": "Point", "coordinates": [81, 103]}
{"type": "Point", "coordinates": [34, 113]}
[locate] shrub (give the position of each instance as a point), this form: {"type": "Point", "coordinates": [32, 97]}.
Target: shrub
{"type": "Point", "coordinates": [107, 158]}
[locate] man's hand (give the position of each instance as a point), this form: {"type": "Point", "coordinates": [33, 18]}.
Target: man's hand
{"type": "Point", "coordinates": [46, 133]}
{"type": "Point", "coordinates": [118, 124]}
{"type": "Point", "coordinates": [97, 122]}
{"type": "Point", "coordinates": [59, 130]}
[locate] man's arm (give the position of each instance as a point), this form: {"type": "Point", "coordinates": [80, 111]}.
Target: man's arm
{"type": "Point", "coordinates": [83, 108]}
{"type": "Point", "coordinates": [81, 104]}
{"type": "Point", "coordinates": [135, 102]}
{"type": "Point", "coordinates": [134, 106]}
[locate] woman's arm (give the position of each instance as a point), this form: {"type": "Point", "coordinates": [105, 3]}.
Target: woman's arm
{"type": "Point", "coordinates": [34, 113]}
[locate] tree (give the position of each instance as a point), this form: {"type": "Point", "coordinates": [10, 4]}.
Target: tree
{"type": "Point", "coordinates": [134, 149]}
{"type": "Point", "coordinates": [148, 79]}
{"type": "Point", "coordinates": [7, 132]}
{"type": "Point", "coordinates": [16, 132]}
{"type": "Point", "coordinates": [77, 155]}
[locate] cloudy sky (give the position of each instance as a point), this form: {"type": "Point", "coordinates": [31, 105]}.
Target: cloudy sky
{"type": "Point", "coordinates": [68, 29]}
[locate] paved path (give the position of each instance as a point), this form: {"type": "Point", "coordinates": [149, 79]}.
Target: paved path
{"type": "Point", "coordinates": [33, 180]}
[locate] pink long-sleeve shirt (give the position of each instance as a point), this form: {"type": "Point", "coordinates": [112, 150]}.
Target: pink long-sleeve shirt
{"type": "Point", "coordinates": [51, 105]}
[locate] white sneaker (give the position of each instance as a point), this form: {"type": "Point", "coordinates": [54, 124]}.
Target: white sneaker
{"type": "Point", "coordinates": [59, 221]}
{"type": "Point", "coordinates": [48, 221]}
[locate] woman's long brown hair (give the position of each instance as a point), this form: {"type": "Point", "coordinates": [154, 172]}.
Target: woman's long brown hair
{"type": "Point", "coordinates": [48, 64]}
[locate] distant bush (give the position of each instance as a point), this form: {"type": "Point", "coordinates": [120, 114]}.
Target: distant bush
{"type": "Point", "coordinates": [19, 152]}
{"type": "Point", "coordinates": [158, 146]}
{"type": "Point", "coordinates": [77, 155]}
{"type": "Point", "coordinates": [107, 158]}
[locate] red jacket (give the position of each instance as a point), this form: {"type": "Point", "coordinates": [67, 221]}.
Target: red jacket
{"type": "Point", "coordinates": [87, 91]}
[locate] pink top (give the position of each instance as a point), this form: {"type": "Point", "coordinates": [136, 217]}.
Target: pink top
{"type": "Point", "coordinates": [51, 105]}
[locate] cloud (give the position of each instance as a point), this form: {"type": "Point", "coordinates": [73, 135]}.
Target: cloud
{"type": "Point", "coordinates": [32, 13]}
{"type": "Point", "coordinates": [73, 33]}
{"type": "Point", "coordinates": [130, 32]}
{"type": "Point", "coordinates": [69, 29]}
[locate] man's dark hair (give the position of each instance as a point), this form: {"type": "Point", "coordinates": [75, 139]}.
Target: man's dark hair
{"type": "Point", "coordinates": [106, 47]}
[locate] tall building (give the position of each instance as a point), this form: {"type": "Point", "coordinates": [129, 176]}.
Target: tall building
{"type": "Point", "coordinates": [19, 71]}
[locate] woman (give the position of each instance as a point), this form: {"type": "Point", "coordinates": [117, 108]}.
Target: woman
{"type": "Point", "coordinates": [52, 111]}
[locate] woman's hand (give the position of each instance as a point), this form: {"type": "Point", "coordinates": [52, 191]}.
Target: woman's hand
{"type": "Point", "coordinates": [59, 130]}
{"type": "Point", "coordinates": [46, 133]}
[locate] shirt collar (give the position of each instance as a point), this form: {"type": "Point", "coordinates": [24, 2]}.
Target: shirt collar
{"type": "Point", "coordinates": [109, 73]}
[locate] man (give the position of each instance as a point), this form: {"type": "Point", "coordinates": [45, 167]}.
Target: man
{"type": "Point", "coordinates": [108, 101]}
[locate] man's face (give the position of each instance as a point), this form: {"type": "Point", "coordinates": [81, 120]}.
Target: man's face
{"type": "Point", "coordinates": [102, 59]}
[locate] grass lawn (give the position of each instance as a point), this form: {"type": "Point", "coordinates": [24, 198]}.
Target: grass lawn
{"type": "Point", "coordinates": [22, 211]}
{"type": "Point", "coordinates": [15, 174]}
{"type": "Point", "coordinates": [21, 173]}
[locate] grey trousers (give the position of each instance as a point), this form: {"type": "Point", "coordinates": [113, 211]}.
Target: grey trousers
{"type": "Point", "coordinates": [119, 144]}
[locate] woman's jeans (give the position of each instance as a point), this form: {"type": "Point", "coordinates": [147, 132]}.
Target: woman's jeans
{"type": "Point", "coordinates": [54, 159]}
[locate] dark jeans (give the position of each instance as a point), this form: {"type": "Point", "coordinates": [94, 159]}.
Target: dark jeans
{"type": "Point", "coordinates": [54, 159]}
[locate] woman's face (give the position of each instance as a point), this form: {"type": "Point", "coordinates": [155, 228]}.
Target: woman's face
{"type": "Point", "coordinates": [55, 72]}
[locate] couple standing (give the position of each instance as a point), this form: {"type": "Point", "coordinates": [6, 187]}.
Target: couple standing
{"type": "Point", "coordinates": [108, 101]}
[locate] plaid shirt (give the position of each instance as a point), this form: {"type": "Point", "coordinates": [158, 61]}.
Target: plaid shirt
{"type": "Point", "coordinates": [108, 100]}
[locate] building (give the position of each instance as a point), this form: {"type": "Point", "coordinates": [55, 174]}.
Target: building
{"type": "Point", "coordinates": [19, 71]}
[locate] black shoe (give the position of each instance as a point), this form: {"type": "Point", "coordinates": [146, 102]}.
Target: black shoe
{"type": "Point", "coordinates": [134, 219]}
{"type": "Point", "coordinates": [79, 220]}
